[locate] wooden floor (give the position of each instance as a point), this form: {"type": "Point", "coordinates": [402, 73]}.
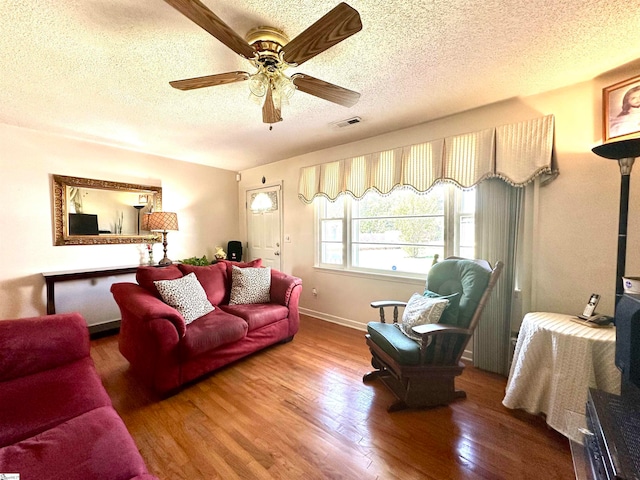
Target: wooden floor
{"type": "Point", "coordinates": [300, 411]}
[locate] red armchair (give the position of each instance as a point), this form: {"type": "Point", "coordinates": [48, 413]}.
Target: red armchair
{"type": "Point", "coordinates": [57, 420]}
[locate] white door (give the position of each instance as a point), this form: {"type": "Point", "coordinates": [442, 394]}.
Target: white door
{"type": "Point", "coordinates": [264, 211]}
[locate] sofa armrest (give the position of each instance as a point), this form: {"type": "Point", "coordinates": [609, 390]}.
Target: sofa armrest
{"type": "Point", "coordinates": [282, 286]}
{"type": "Point", "coordinates": [138, 304]}
{"type": "Point", "coordinates": [30, 345]}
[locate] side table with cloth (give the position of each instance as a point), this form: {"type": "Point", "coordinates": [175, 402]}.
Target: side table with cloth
{"type": "Point", "coordinates": [555, 362]}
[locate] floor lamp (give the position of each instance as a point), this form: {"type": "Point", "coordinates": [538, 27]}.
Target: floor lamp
{"type": "Point", "coordinates": [625, 152]}
{"type": "Point", "coordinates": [138, 208]}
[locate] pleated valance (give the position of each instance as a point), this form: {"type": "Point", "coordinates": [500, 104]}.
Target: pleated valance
{"type": "Point", "coordinates": [516, 153]}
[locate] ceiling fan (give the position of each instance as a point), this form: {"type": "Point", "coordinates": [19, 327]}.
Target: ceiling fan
{"type": "Point", "coordinates": [271, 52]}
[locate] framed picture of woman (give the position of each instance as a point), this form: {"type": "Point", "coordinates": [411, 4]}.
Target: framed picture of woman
{"type": "Point", "coordinates": [621, 109]}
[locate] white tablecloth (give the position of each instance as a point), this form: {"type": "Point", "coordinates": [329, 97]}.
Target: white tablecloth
{"type": "Point", "coordinates": [555, 362]}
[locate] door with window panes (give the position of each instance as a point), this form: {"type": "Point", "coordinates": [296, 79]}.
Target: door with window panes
{"type": "Point", "coordinates": [263, 226]}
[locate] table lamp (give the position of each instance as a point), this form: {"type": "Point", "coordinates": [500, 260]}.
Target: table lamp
{"type": "Point", "coordinates": [161, 222]}
{"type": "Point", "coordinates": [625, 152]}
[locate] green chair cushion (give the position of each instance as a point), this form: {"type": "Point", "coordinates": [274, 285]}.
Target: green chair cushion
{"type": "Point", "coordinates": [395, 343]}
{"type": "Point", "coordinates": [464, 276]}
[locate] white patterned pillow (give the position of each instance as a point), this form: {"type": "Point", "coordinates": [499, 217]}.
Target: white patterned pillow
{"type": "Point", "coordinates": [185, 295]}
{"type": "Point", "coordinates": [250, 285]}
{"type": "Point", "coordinates": [420, 311]}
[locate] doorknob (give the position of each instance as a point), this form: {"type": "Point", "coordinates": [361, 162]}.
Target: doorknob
{"type": "Point", "coordinates": [277, 244]}
{"type": "Point", "coordinates": [276, 253]}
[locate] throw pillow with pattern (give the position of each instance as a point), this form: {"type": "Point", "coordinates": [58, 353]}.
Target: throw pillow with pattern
{"type": "Point", "coordinates": [250, 285]}
{"type": "Point", "coordinates": [185, 295]}
{"type": "Point", "coordinates": [420, 311]}
{"type": "Point", "coordinates": [450, 315]}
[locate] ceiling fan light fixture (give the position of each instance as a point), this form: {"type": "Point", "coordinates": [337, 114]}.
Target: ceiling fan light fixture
{"type": "Point", "coordinates": [258, 84]}
{"type": "Point", "coordinates": [284, 86]}
{"type": "Point", "coordinates": [256, 99]}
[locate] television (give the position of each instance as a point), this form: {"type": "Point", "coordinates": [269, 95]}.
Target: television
{"type": "Point", "coordinates": [83, 224]}
{"type": "Point", "coordinates": [628, 341]}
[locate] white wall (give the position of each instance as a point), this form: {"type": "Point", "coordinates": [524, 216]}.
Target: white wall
{"type": "Point", "coordinates": [199, 194]}
{"type": "Point", "coordinates": [577, 231]}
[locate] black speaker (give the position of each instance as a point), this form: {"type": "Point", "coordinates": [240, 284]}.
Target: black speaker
{"type": "Point", "coordinates": [628, 338]}
{"type": "Point", "coordinates": [234, 251]}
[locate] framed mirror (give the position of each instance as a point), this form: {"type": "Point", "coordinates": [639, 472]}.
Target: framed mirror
{"type": "Point", "coordinates": [99, 212]}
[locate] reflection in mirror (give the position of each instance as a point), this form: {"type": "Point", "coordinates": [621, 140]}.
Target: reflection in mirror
{"type": "Point", "coordinates": [90, 212]}
{"type": "Point", "coordinates": [98, 212]}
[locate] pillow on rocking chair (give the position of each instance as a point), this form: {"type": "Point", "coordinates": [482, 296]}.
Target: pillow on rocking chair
{"type": "Point", "coordinates": [421, 310]}
{"type": "Point", "coordinates": [450, 315]}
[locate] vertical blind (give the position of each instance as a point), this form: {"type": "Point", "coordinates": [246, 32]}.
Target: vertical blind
{"type": "Point", "coordinates": [498, 211]}
{"type": "Point", "coordinates": [516, 153]}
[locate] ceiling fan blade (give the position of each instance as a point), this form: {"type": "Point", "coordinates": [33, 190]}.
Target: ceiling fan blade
{"type": "Point", "coordinates": [210, 80]}
{"type": "Point", "coordinates": [337, 25]}
{"type": "Point", "coordinates": [325, 90]}
{"type": "Point", "coordinates": [205, 18]}
{"type": "Point", "coordinates": [270, 113]}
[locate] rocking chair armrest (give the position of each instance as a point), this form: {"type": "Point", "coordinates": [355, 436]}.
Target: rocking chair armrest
{"type": "Point", "coordinates": [380, 305]}
{"type": "Point", "coordinates": [388, 303]}
{"type": "Point", "coordinates": [436, 328]}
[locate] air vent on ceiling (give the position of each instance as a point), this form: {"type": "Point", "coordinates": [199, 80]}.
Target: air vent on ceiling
{"type": "Point", "coordinates": [347, 123]}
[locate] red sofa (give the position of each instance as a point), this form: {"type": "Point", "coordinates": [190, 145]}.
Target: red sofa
{"type": "Point", "coordinates": [56, 419]}
{"type": "Point", "coordinates": [165, 352]}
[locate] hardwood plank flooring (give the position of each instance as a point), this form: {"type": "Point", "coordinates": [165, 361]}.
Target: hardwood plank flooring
{"type": "Point", "coordinates": [300, 411]}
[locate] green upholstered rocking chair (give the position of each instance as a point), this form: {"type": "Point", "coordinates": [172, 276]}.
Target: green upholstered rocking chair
{"type": "Point", "coordinates": [422, 373]}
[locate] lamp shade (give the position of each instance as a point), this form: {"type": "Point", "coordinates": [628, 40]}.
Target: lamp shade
{"type": "Point", "coordinates": [163, 221]}
{"type": "Point", "coordinates": [625, 152]}
{"type": "Point", "coordinates": [629, 148]}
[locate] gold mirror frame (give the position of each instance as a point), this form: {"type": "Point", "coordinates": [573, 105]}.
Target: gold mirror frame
{"type": "Point", "coordinates": [61, 210]}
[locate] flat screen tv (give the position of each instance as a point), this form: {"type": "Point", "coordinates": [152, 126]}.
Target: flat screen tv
{"type": "Point", "coordinates": [628, 340]}
{"type": "Point", "coordinates": [83, 224]}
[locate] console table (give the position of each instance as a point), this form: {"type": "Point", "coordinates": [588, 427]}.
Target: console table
{"type": "Point", "coordinates": [555, 362]}
{"type": "Point", "coordinates": [51, 278]}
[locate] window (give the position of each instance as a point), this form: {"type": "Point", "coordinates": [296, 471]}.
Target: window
{"type": "Point", "coordinates": [397, 233]}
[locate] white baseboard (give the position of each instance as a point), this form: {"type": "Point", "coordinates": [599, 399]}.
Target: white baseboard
{"type": "Point", "coordinates": [345, 322]}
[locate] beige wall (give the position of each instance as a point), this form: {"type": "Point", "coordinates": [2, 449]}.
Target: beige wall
{"type": "Point", "coordinates": [200, 195]}
{"type": "Point", "coordinates": [577, 232]}
{"type": "Point", "coordinates": [578, 216]}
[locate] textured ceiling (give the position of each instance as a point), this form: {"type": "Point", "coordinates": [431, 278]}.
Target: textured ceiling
{"type": "Point", "coordinates": [99, 69]}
